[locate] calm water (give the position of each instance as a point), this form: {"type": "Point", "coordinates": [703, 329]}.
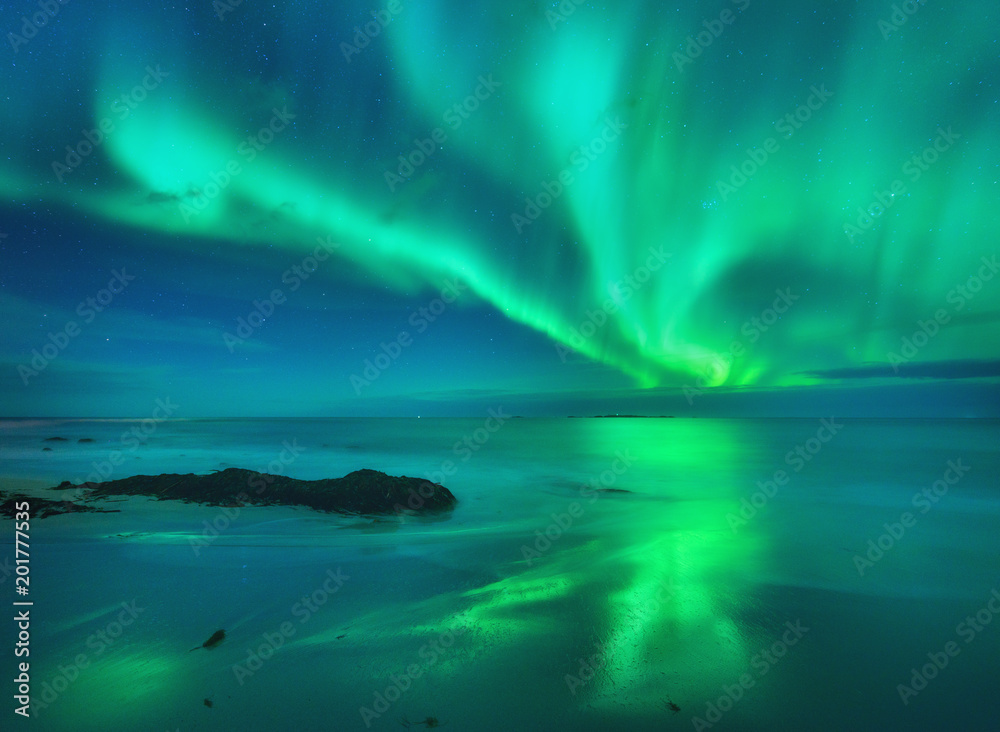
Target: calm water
{"type": "Point", "coordinates": [704, 597]}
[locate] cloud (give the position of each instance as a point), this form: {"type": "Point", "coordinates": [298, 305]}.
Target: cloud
{"type": "Point", "coordinates": [951, 369]}
{"type": "Point", "coordinates": [35, 319]}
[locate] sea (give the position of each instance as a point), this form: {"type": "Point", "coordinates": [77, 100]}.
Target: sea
{"type": "Point", "coordinates": [596, 573]}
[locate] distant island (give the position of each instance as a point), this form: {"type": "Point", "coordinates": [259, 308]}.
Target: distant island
{"type": "Point", "coordinates": [625, 416]}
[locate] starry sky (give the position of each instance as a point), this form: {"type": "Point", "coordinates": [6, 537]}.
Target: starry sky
{"type": "Point", "coordinates": [427, 208]}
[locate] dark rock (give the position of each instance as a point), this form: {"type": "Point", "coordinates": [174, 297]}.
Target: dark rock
{"type": "Point", "coordinates": [86, 439]}
{"type": "Point", "coordinates": [40, 508]}
{"type": "Point", "coordinates": [216, 638]}
{"type": "Point", "coordinates": [366, 492]}
{"type": "Point", "coordinates": [55, 439]}
{"type": "Point", "coordinates": [46, 449]}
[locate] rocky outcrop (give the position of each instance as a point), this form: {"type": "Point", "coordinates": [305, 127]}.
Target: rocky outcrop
{"type": "Point", "coordinates": [42, 507]}
{"type": "Point", "coordinates": [366, 492]}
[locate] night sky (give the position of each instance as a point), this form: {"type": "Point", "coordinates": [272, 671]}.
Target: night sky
{"type": "Point", "coordinates": [429, 208]}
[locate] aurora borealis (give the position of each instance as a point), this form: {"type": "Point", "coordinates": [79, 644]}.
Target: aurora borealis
{"type": "Point", "coordinates": [418, 208]}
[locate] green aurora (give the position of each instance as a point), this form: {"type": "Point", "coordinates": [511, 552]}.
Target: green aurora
{"type": "Point", "coordinates": [723, 194]}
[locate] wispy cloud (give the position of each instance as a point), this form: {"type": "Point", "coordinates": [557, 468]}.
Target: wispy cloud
{"type": "Point", "coordinates": [952, 369]}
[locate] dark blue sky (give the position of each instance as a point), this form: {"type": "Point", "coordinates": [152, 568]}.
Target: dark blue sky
{"type": "Point", "coordinates": [298, 209]}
